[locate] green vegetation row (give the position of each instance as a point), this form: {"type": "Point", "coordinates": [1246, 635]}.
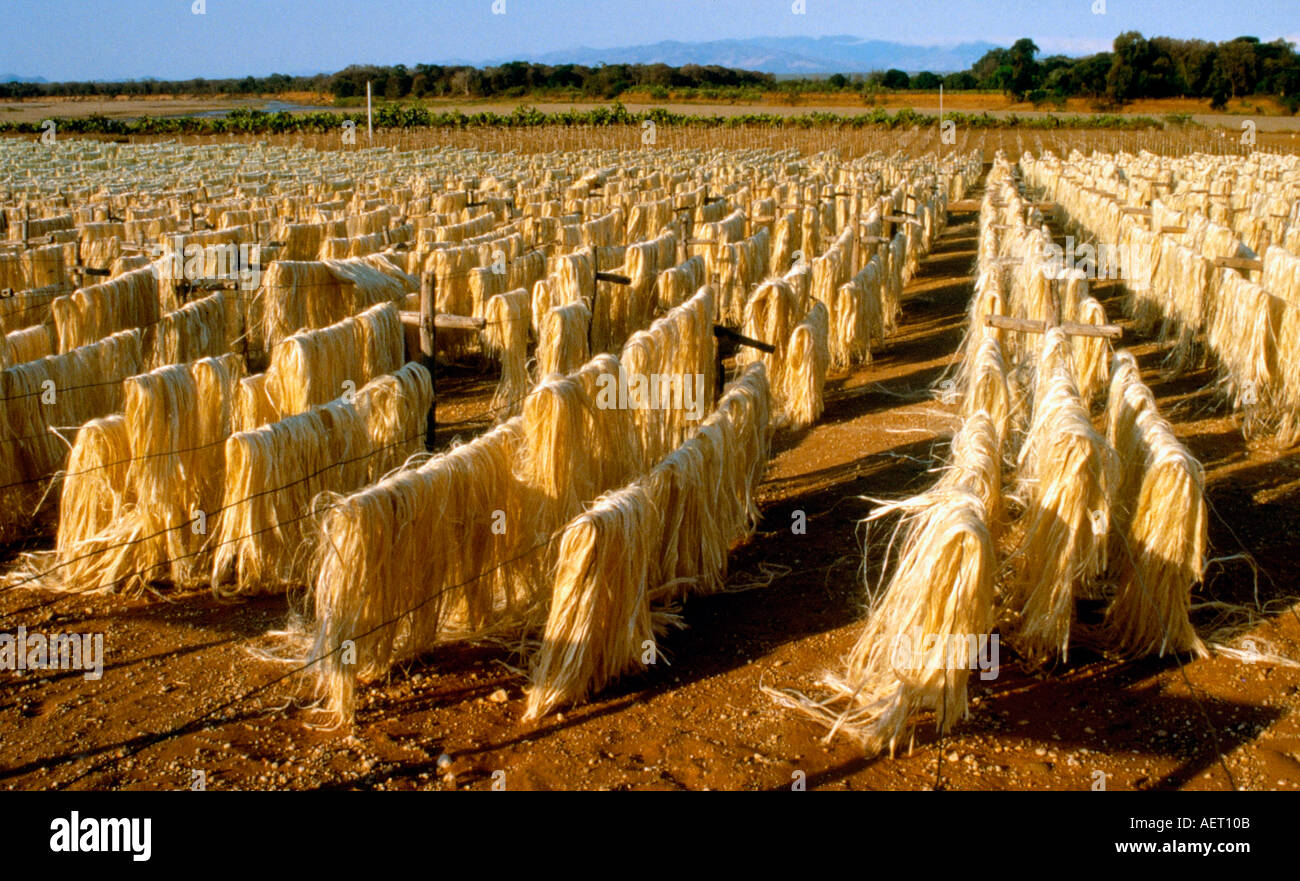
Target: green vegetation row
{"type": "Point", "coordinates": [1137, 67]}
{"type": "Point", "coordinates": [244, 121]}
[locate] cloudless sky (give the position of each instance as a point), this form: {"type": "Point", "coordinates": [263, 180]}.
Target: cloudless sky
{"type": "Point", "coordinates": [124, 39]}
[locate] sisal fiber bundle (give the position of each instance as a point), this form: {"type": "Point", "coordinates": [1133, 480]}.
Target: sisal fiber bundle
{"type": "Point", "coordinates": [505, 335]}
{"type": "Point", "coordinates": [1091, 355]}
{"type": "Point", "coordinates": [315, 366]}
{"type": "Point", "coordinates": [677, 284]}
{"type": "Point", "coordinates": [923, 633]}
{"type": "Point", "coordinates": [668, 372]}
{"type": "Point", "coordinates": [1068, 473]}
{"type": "Point", "coordinates": [100, 243]}
{"type": "Point", "coordinates": [987, 390]}
{"type": "Point", "coordinates": [807, 359]}
{"type": "Point", "coordinates": [27, 308]}
{"type": "Point", "coordinates": [96, 311]}
{"type": "Point", "coordinates": [198, 329]}
{"type": "Point", "coordinates": [47, 265]}
{"type": "Point", "coordinates": [394, 408]}
{"type": "Point", "coordinates": [166, 475]}
{"type": "Point", "coordinates": [252, 406]}
{"type": "Point", "coordinates": [27, 344]}
{"type": "Point", "coordinates": [1244, 338]}
{"type": "Point", "coordinates": [562, 343]}
{"type": "Point", "coordinates": [657, 539]}
{"type": "Point", "coordinates": [263, 540]}
{"type": "Point", "coordinates": [61, 392]}
{"type": "Point", "coordinates": [575, 448]}
{"type": "Point", "coordinates": [1160, 521]}
{"type": "Point", "coordinates": [1282, 280]}
{"type": "Point", "coordinates": [94, 491]}
{"type": "Point", "coordinates": [303, 295]}
{"type": "Point", "coordinates": [162, 481]}
{"type": "Point", "coordinates": [575, 276]}
{"type": "Point", "coordinates": [600, 613]}
{"type": "Point", "coordinates": [303, 242]}
{"type": "Point", "coordinates": [377, 584]}
{"type": "Point", "coordinates": [770, 316]}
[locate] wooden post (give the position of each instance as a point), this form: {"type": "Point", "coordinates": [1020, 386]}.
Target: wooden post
{"type": "Point", "coordinates": [595, 289]}
{"type": "Point", "coordinates": [181, 283]}
{"type": "Point", "coordinates": [1243, 263]}
{"type": "Point", "coordinates": [1029, 325]}
{"type": "Point", "coordinates": [428, 344]}
{"type": "Point", "coordinates": [719, 372]}
{"type": "Point", "coordinates": [27, 214]}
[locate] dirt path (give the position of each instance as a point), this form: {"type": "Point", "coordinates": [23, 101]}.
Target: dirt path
{"type": "Point", "coordinates": [698, 719]}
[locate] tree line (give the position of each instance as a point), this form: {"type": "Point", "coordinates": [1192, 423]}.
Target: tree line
{"type": "Point", "coordinates": [1136, 67]}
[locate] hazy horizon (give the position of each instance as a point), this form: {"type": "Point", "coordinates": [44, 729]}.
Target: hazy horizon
{"type": "Point", "coordinates": [164, 39]}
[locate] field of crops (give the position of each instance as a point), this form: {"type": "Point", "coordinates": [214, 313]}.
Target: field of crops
{"type": "Point", "coordinates": [535, 402]}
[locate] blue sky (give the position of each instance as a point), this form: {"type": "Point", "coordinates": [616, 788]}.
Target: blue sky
{"type": "Point", "coordinates": [111, 39]}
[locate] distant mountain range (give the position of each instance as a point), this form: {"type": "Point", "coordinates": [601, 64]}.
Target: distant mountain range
{"type": "Point", "coordinates": [777, 55]}
{"type": "Point", "coordinates": [15, 78]}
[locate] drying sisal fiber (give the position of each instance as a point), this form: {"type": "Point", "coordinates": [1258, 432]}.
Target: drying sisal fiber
{"type": "Point", "coordinates": [196, 330]}
{"type": "Point", "coordinates": [1161, 525]}
{"type": "Point", "coordinates": [94, 490]}
{"type": "Point", "coordinates": [377, 584]}
{"type": "Point", "coordinates": [770, 317]}
{"type": "Point", "coordinates": [668, 372]}
{"type": "Point", "coordinates": [975, 464]}
{"type": "Point", "coordinates": [987, 390]}
{"type": "Point", "coordinates": [217, 382]}
{"type": "Point", "coordinates": [562, 343]}
{"type": "Point", "coordinates": [314, 366]}
{"type": "Point", "coordinates": [1091, 355]}
{"type": "Point", "coordinates": [166, 475]}
{"type": "Point", "coordinates": [543, 300]}
{"type": "Point", "coordinates": [600, 615]}
{"type": "Point", "coordinates": [252, 407]}
{"type": "Point", "coordinates": [304, 295]}
{"type": "Point", "coordinates": [575, 448]}
{"type": "Point", "coordinates": [506, 336]}
{"type": "Point", "coordinates": [394, 408]}
{"type": "Point", "coordinates": [642, 264]}
{"type": "Point", "coordinates": [47, 266]}
{"type": "Point", "coordinates": [923, 633]}
{"type": "Point", "coordinates": [1245, 338]}
{"type": "Point", "coordinates": [575, 276]}
{"type": "Point", "coordinates": [27, 344]}
{"type": "Point", "coordinates": [655, 540]}
{"type": "Point", "coordinates": [272, 475]}
{"type": "Point", "coordinates": [27, 308]}
{"type": "Point", "coordinates": [275, 472]}
{"type": "Point", "coordinates": [677, 284]}
{"type": "Point", "coordinates": [807, 359]}
{"type": "Point", "coordinates": [96, 311]}
{"type": "Point", "coordinates": [1068, 473]}
{"type": "Point", "coordinates": [930, 627]}
{"type": "Point", "coordinates": [162, 481]}
{"type": "Point", "coordinates": [62, 392]}
{"type": "Point", "coordinates": [100, 243]}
